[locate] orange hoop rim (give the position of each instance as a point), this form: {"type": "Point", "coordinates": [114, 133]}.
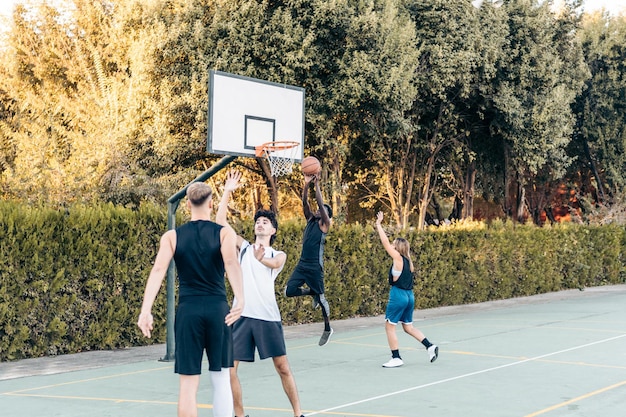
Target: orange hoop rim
{"type": "Point", "coordinates": [279, 145]}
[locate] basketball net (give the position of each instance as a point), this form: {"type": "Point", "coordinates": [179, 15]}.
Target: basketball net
{"type": "Point", "coordinates": [280, 156]}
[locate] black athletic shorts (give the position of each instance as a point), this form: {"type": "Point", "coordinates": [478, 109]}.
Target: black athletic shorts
{"type": "Point", "coordinates": [266, 336]}
{"type": "Point", "coordinates": [199, 327]}
{"type": "Point", "coordinates": [310, 274]}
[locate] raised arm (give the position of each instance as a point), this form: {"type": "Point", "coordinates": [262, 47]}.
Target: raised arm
{"type": "Point", "coordinates": [325, 219]}
{"type": "Point", "coordinates": [232, 183]}
{"type": "Point", "coordinates": [305, 196]}
{"type": "Point", "coordinates": [233, 272]}
{"type": "Point", "coordinates": [398, 263]}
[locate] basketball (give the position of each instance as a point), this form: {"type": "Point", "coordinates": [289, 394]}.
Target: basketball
{"type": "Point", "coordinates": [310, 165]}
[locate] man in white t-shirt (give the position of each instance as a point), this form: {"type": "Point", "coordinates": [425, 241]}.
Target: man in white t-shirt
{"type": "Point", "coordinates": [260, 325]}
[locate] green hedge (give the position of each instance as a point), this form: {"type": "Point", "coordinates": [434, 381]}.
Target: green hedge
{"type": "Point", "coordinates": [72, 280]}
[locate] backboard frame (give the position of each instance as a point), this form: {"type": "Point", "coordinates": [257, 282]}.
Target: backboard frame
{"type": "Point", "coordinates": [245, 112]}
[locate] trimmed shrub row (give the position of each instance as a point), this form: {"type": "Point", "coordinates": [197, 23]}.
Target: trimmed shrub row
{"type": "Point", "coordinates": [72, 280]}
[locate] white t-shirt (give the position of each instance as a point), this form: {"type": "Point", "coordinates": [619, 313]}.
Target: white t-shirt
{"type": "Point", "coordinates": [258, 284]}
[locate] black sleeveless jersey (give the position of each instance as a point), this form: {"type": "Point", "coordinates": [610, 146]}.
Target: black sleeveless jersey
{"type": "Point", "coordinates": [313, 242]}
{"type": "Point", "coordinates": [199, 259]}
{"type": "Point", "coordinates": [405, 281]}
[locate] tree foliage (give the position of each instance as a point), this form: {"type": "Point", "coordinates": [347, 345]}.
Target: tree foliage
{"type": "Point", "coordinates": [601, 138]}
{"type": "Point", "coordinates": [532, 101]}
{"type": "Point", "coordinates": [409, 104]}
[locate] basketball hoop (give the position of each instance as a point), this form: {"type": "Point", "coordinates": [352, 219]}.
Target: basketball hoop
{"type": "Point", "coordinates": [279, 154]}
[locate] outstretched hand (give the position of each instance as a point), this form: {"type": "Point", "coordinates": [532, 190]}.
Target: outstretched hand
{"type": "Point", "coordinates": [379, 218]}
{"type": "Point", "coordinates": [232, 180]}
{"type": "Point", "coordinates": [309, 178]}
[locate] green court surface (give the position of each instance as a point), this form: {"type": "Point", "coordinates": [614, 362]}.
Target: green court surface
{"type": "Point", "coordinates": [560, 354]}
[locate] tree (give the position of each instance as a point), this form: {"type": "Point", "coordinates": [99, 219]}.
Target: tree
{"type": "Point", "coordinates": [377, 88]}
{"type": "Point", "coordinates": [410, 101]}
{"type": "Point", "coordinates": [74, 95]}
{"type": "Point", "coordinates": [447, 34]}
{"type": "Point", "coordinates": [476, 165]}
{"type": "Point", "coordinates": [44, 122]}
{"type": "Point", "coordinates": [600, 138]}
{"type": "Point", "coordinates": [534, 90]}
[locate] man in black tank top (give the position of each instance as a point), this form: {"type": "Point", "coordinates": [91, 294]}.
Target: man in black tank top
{"type": "Point", "coordinates": [310, 267]}
{"type": "Point", "coordinates": [203, 251]}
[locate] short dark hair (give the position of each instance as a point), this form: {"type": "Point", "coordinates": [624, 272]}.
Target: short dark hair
{"type": "Point", "coordinates": [198, 193]}
{"type": "Point", "coordinates": [271, 216]}
{"type": "Point", "coordinates": [329, 210]}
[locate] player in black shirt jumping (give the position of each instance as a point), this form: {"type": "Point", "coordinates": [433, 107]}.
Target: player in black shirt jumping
{"type": "Point", "coordinates": [310, 267]}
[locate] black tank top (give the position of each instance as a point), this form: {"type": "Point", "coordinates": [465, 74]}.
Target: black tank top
{"type": "Point", "coordinates": [199, 259]}
{"type": "Point", "coordinates": [405, 281]}
{"type": "Point", "coordinates": [313, 242]}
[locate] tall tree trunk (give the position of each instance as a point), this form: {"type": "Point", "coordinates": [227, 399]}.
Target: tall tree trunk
{"type": "Point", "coordinates": [437, 208]}
{"type": "Point", "coordinates": [409, 180]}
{"type": "Point", "coordinates": [457, 209]}
{"type": "Point", "coordinates": [335, 193]}
{"type": "Point", "coordinates": [425, 194]}
{"type": "Point", "coordinates": [270, 181]}
{"type": "Point", "coordinates": [507, 204]}
{"type": "Point", "coordinates": [399, 189]}
{"type": "Point", "coordinates": [468, 191]}
{"type": "Point", "coordinates": [550, 215]}
{"type": "Point", "coordinates": [521, 202]}
{"type": "Point", "coordinates": [594, 169]}
{"type": "Point", "coordinates": [393, 195]}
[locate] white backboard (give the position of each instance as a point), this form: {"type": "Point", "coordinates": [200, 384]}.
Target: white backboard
{"type": "Point", "coordinates": [245, 112]}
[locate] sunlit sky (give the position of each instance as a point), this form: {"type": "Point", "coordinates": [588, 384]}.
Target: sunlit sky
{"type": "Point", "coordinates": [614, 6]}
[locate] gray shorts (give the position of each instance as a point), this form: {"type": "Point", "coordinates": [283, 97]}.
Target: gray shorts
{"type": "Point", "coordinates": [266, 336]}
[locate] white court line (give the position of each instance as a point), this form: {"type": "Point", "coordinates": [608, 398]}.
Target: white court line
{"type": "Point", "coordinates": [378, 397]}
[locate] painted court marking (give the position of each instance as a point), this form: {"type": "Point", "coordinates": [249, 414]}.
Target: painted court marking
{"type": "Point", "coordinates": [18, 392]}
{"type": "Point", "coordinates": [611, 387]}
{"type": "Point", "coordinates": [573, 400]}
{"type": "Point", "coordinates": [455, 378]}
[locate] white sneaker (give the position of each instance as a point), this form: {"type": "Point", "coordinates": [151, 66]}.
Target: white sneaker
{"type": "Point", "coordinates": [433, 352]}
{"type": "Point", "coordinates": [393, 363]}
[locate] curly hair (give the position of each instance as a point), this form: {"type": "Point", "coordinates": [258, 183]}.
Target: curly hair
{"type": "Point", "coordinates": [271, 216]}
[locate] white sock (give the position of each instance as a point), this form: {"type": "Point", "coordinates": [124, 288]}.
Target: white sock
{"type": "Point", "coordinates": [222, 395]}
